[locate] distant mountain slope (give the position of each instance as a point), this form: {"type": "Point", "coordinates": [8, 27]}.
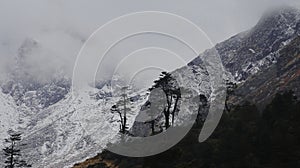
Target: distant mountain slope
{"type": "Point", "coordinates": [263, 61]}
{"type": "Point", "coordinates": [250, 54]}
{"type": "Point", "coordinates": [30, 86]}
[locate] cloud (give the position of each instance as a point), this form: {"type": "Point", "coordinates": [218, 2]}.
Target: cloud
{"type": "Point", "coordinates": [61, 27]}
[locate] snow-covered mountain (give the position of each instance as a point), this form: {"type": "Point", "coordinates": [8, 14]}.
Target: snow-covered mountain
{"type": "Point", "coordinates": [243, 56]}
{"type": "Point", "coordinates": [29, 89]}
{"type": "Point", "coordinates": [59, 127]}
{"type": "Point", "coordinates": [256, 49]}
{"type": "Point", "coordinates": [62, 127]}
{"type": "Point", "coordinates": [68, 131]}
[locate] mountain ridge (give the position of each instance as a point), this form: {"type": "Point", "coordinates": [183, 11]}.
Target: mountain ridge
{"type": "Point", "coordinates": [65, 130]}
{"type": "Point", "coordinates": [245, 56]}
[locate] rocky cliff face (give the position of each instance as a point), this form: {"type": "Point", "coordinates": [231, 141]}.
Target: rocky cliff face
{"type": "Point", "coordinates": [280, 76]}
{"type": "Point", "coordinates": [256, 49]}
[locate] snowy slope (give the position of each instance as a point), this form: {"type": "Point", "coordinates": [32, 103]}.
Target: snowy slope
{"type": "Point", "coordinates": [8, 116]}
{"type": "Point", "coordinates": [58, 127]}
{"type": "Point", "coordinates": [74, 129]}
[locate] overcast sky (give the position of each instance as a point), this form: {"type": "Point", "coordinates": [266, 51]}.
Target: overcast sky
{"type": "Point", "coordinates": [61, 27]}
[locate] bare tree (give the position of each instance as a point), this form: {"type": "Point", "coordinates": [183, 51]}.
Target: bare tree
{"type": "Point", "coordinates": [122, 109]}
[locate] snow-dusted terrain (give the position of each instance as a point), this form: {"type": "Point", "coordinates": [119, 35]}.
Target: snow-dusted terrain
{"type": "Point", "coordinates": [9, 116]}
{"type": "Point", "coordinates": [61, 127]}
{"type": "Point", "coordinates": [73, 129]}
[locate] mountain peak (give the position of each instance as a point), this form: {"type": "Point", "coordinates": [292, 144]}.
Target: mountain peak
{"type": "Point", "coordinates": [280, 15]}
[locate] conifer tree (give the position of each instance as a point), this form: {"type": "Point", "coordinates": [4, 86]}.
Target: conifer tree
{"type": "Point", "coordinates": [168, 84]}
{"type": "Point", "coordinates": [13, 153]}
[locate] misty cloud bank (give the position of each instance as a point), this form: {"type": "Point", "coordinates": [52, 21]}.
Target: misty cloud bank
{"type": "Point", "coordinates": [41, 39]}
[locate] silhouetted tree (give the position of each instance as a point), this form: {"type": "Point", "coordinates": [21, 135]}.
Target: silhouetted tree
{"type": "Point", "coordinates": [168, 84]}
{"type": "Point", "coordinates": [122, 109]}
{"type": "Point", "coordinates": [13, 153]}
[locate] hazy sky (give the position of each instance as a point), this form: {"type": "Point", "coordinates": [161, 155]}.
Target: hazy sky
{"type": "Point", "coordinates": [61, 27]}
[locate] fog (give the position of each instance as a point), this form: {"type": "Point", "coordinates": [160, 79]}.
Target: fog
{"type": "Point", "coordinates": [60, 28]}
